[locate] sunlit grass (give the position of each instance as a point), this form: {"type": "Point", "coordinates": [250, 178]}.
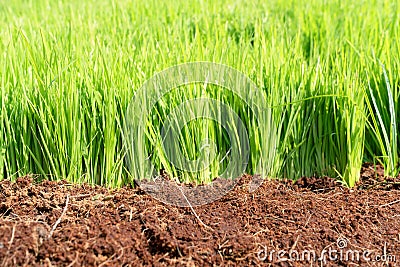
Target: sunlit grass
{"type": "Point", "coordinates": [68, 70]}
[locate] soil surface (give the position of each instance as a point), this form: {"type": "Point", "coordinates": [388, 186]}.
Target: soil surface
{"type": "Point", "coordinates": [312, 222]}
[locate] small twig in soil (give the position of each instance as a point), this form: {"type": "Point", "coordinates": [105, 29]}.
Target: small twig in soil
{"type": "Point", "coordinates": [81, 196]}
{"type": "Point", "coordinates": [106, 198]}
{"type": "Point", "coordinates": [12, 237]}
{"type": "Point", "coordinates": [298, 237]}
{"type": "Point", "coordinates": [4, 214]}
{"type": "Point", "coordinates": [74, 261]}
{"type": "Point", "coordinates": [49, 262]}
{"type": "Point", "coordinates": [59, 219]}
{"type": "Point", "coordinates": [62, 185]}
{"type": "Point", "coordinates": [382, 183]}
{"type": "Point", "coordinates": [391, 203]}
{"type": "Point", "coordinates": [279, 219]}
{"type": "Point", "coordinates": [295, 243]}
{"type": "Point", "coordinates": [112, 256]}
{"type": "Point", "coordinates": [194, 212]}
{"type": "Point", "coordinates": [323, 189]}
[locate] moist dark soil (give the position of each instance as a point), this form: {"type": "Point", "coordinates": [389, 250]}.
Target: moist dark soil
{"type": "Point", "coordinates": [311, 222]}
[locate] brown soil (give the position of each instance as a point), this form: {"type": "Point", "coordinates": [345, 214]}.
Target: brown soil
{"type": "Point", "coordinates": [59, 224]}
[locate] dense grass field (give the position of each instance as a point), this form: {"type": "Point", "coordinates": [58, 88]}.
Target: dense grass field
{"type": "Point", "coordinates": [329, 71]}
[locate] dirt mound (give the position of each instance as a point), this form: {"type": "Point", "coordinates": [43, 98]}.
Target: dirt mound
{"type": "Point", "coordinates": [310, 222]}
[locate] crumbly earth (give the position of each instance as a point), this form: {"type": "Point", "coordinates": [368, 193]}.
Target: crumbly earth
{"type": "Point", "coordinates": [280, 224]}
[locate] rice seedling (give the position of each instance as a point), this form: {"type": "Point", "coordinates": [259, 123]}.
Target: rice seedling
{"type": "Point", "coordinates": [328, 73]}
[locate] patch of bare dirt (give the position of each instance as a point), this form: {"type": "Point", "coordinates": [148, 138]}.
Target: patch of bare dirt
{"type": "Point", "coordinates": [59, 224]}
